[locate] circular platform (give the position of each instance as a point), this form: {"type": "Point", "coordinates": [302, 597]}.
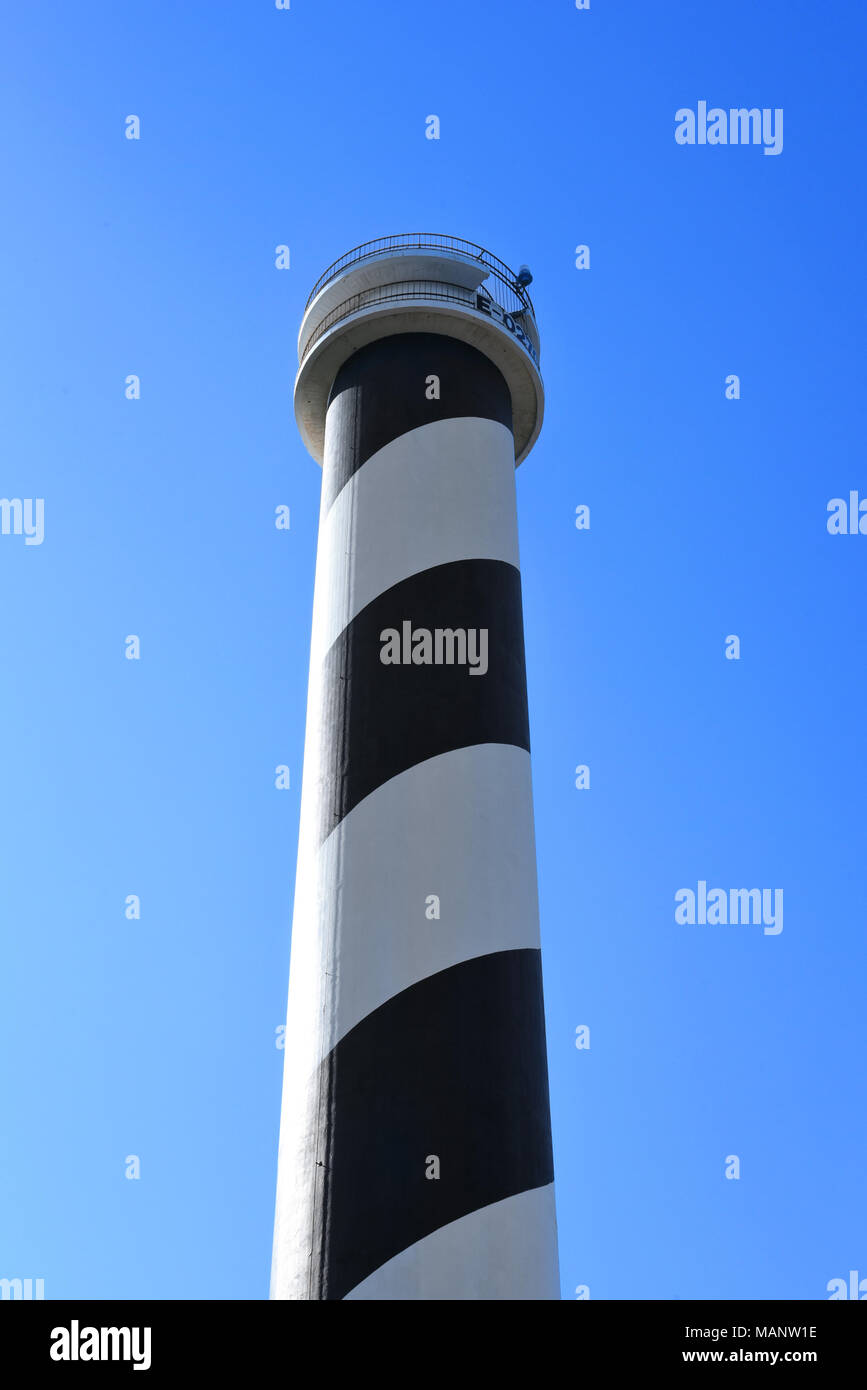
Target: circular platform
{"type": "Point", "coordinates": [419, 283]}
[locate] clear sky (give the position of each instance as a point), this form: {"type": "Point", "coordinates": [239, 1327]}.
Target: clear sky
{"type": "Point", "coordinates": [259, 127]}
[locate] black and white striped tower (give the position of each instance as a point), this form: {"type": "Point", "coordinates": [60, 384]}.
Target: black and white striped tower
{"type": "Point", "coordinates": [415, 1144]}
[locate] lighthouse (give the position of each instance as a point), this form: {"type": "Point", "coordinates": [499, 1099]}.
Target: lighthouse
{"type": "Point", "coordinates": [415, 1158]}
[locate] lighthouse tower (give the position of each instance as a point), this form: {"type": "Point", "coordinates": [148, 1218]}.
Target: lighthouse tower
{"type": "Point", "coordinates": [415, 1142]}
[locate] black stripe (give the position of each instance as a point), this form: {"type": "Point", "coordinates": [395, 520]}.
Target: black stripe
{"type": "Point", "coordinates": [454, 1066]}
{"type": "Point", "coordinates": [380, 393]}
{"type": "Point", "coordinates": [381, 720]}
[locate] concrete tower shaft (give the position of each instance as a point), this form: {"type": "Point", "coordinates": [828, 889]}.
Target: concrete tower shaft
{"type": "Point", "coordinates": [415, 1150]}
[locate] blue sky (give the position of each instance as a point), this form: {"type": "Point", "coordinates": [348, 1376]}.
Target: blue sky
{"type": "Point", "coordinates": [708, 517]}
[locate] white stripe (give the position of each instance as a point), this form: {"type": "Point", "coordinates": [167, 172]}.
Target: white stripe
{"type": "Point", "coordinates": [458, 826]}
{"type": "Point", "coordinates": [439, 493]}
{"type": "Point", "coordinates": [507, 1250]}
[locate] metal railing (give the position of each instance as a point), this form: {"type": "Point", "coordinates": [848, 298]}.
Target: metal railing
{"type": "Point", "coordinates": [418, 289]}
{"type": "Point", "coordinates": [517, 296]}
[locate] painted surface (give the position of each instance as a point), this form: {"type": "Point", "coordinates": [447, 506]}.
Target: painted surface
{"type": "Point", "coordinates": [415, 1082]}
